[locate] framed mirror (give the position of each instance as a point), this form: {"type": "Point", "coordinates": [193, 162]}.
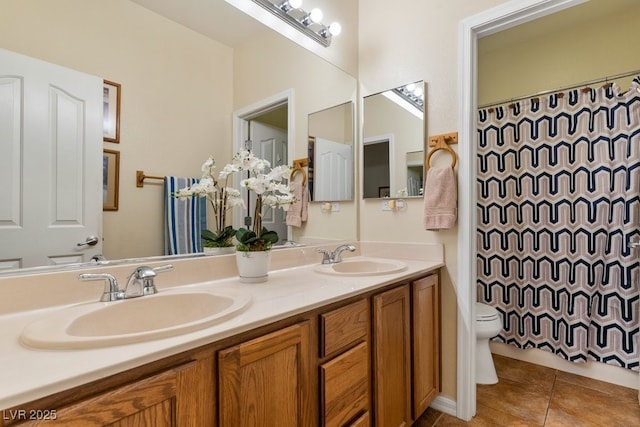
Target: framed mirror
{"type": "Point", "coordinates": [393, 142]}
{"type": "Point", "coordinates": [174, 113]}
{"type": "Point", "coordinates": [331, 159]}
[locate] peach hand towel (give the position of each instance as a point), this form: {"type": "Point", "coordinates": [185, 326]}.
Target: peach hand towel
{"type": "Point", "coordinates": [297, 212]}
{"type": "Point", "coordinates": [440, 198]}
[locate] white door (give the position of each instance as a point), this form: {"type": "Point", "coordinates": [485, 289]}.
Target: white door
{"type": "Point", "coordinates": [270, 143]}
{"type": "Point", "coordinates": [50, 163]}
{"type": "Point", "coordinates": [333, 166]}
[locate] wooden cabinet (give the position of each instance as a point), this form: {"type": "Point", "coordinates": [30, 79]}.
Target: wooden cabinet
{"type": "Point", "coordinates": [372, 359]}
{"type": "Point", "coordinates": [265, 381]}
{"type": "Point", "coordinates": [170, 398]}
{"type": "Point", "coordinates": [344, 379]}
{"type": "Point", "coordinates": [426, 342]}
{"type": "Point", "coordinates": [406, 351]}
{"type": "Point", "coordinates": [392, 357]}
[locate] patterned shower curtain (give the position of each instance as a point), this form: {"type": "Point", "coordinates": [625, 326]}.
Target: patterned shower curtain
{"type": "Point", "coordinates": [558, 202]}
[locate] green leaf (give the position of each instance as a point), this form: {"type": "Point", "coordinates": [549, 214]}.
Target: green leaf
{"type": "Point", "coordinates": [213, 240]}
{"type": "Point", "coordinates": [269, 236]}
{"type": "Point", "coordinates": [246, 237]}
{"type": "Point", "coordinates": [208, 236]}
{"type": "Point", "coordinates": [227, 233]}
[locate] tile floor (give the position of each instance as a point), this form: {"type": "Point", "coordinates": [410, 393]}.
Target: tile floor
{"type": "Point", "coordinates": [533, 395]}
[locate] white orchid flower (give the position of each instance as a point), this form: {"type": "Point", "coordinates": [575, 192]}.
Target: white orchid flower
{"type": "Point", "coordinates": [279, 187]}
{"type": "Point", "coordinates": [255, 184]}
{"type": "Point", "coordinates": [263, 180]}
{"type": "Point", "coordinates": [207, 185]}
{"type": "Point", "coordinates": [228, 170]}
{"type": "Point", "coordinates": [183, 193]}
{"type": "Point", "coordinates": [208, 166]}
{"type": "Point", "coordinates": [279, 173]}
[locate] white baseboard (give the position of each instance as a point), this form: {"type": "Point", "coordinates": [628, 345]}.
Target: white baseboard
{"type": "Point", "coordinates": [446, 405]}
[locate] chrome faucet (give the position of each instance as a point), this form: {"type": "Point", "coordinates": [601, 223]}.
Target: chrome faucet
{"type": "Point", "coordinates": [140, 283]}
{"type": "Point", "coordinates": [334, 256]}
{"type": "Point", "coordinates": [111, 291]}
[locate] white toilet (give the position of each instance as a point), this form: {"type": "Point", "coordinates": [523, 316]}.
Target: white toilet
{"type": "Point", "coordinates": [488, 325]}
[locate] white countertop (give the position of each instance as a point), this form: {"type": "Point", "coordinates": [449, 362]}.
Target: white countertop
{"type": "Point", "coordinates": [28, 374]}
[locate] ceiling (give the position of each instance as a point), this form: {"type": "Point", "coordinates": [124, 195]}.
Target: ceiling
{"type": "Point", "coordinates": [215, 19]}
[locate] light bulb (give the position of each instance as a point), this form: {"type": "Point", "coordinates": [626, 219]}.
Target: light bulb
{"type": "Point", "coordinates": [287, 5]}
{"type": "Point", "coordinates": [418, 92]}
{"type": "Point", "coordinates": [410, 87]}
{"type": "Point", "coordinates": [335, 28]}
{"type": "Point", "coordinates": [315, 15]}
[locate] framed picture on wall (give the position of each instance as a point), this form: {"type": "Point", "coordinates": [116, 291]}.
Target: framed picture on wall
{"type": "Point", "coordinates": [110, 179]}
{"type": "Point", "coordinates": [111, 112]}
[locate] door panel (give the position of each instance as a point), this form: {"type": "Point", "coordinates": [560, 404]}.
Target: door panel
{"type": "Point", "coordinates": [334, 166]}
{"type": "Point", "coordinates": [10, 164]}
{"type": "Point", "coordinates": [50, 162]}
{"type": "Point", "coordinates": [270, 143]}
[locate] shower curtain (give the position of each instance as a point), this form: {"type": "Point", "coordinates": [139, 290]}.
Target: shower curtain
{"type": "Point", "coordinates": [558, 203]}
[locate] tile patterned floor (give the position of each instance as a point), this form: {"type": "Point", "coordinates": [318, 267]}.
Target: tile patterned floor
{"type": "Point", "coordinates": [532, 395]}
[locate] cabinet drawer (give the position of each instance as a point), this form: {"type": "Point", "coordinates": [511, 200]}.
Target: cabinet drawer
{"type": "Point", "coordinates": [343, 327]}
{"type": "Point", "coordinates": [345, 386]}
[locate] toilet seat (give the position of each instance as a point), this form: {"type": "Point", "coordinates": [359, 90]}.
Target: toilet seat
{"type": "Point", "coordinates": [486, 313]}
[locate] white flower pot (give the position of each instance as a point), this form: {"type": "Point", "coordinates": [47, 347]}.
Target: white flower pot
{"type": "Point", "coordinates": [219, 251]}
{"type": "Point", "coordinates": [253, 267]}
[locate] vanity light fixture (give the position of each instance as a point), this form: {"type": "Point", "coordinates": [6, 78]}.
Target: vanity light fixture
{"type": "Point", "coordinates": [412, 93]}
{"type": "Point", "coordinates": [313, 17]}
{"type": "Point", "coordinates": [308, 23]}
{"type": "Point", "coordinates": [287, 5]}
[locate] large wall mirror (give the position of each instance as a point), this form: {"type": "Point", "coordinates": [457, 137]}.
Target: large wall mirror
{"type": "Point", "coordinates": [393, 142]}
{"type": "Point", "coordinates": [331, 153]}
{"type": "Point", "coordinates": [180, 89]}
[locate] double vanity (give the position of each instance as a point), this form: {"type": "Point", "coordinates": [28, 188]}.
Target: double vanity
{"type": "Point", "coordinates": [354, 342]}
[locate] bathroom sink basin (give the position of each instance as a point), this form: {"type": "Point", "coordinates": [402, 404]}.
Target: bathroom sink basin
{"type": "Point", "coordinates": [162, 315]}
{"type": "Point", "coordinates": [362, 267]}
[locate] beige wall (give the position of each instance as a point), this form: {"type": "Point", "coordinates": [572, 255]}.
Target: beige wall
{"type": "Point", "coordinates": [335, 124]}
{"type": "Point", "coordinates": [271, 64]}
{"type": "Point", "coordinates": [406, 42]}
{"type": "Point", "coordinates": [519, 62]}
{"type": "Point", "coordinates": [176, 96]}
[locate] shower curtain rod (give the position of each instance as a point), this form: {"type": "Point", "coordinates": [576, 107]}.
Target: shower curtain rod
{"type": "Point", "coordinates": [560, 89]}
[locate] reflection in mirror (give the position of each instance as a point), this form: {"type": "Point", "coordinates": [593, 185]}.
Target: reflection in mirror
{"type": "Point", "coordinates": [175, 113]}
{"type": "Point", "coordinates": [393, 142]}
{"type": "Point", "coordinates": [415, 173]}
{"type": "Point", "coordinates": [331, 153]}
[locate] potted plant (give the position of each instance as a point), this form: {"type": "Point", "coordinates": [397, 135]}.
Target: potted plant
{"type": "Point", "coordinates": [219, 239]}
{"type": "Point", "coordinates": [253, 245]}
{"type": "Point", "coordinates": [221, 198]}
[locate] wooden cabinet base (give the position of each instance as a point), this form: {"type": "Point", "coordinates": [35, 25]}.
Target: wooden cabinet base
{"type": "Point", "coordinates": [371, 359]}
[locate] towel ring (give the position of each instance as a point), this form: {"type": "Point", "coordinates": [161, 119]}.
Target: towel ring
{"type": "Point", "coordinates": [442, 146]}
{"type": "Point", "coordinates": [298, 170]}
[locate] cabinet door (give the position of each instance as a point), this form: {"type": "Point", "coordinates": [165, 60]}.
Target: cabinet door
{"type": "Point", "coordinates": [426, 343]}
{"type": "Point", "coordinates": [391, 340]}
{"type": "Point", "coordinates": [362, 421]}
{"type": "Point", "coordinates": [148, 402]}
{"type": "Point", "coordinates": [265, 381]}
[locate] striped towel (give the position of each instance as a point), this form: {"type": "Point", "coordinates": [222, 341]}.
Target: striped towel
{"type": "Point", "coordinates": [184, 219]}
